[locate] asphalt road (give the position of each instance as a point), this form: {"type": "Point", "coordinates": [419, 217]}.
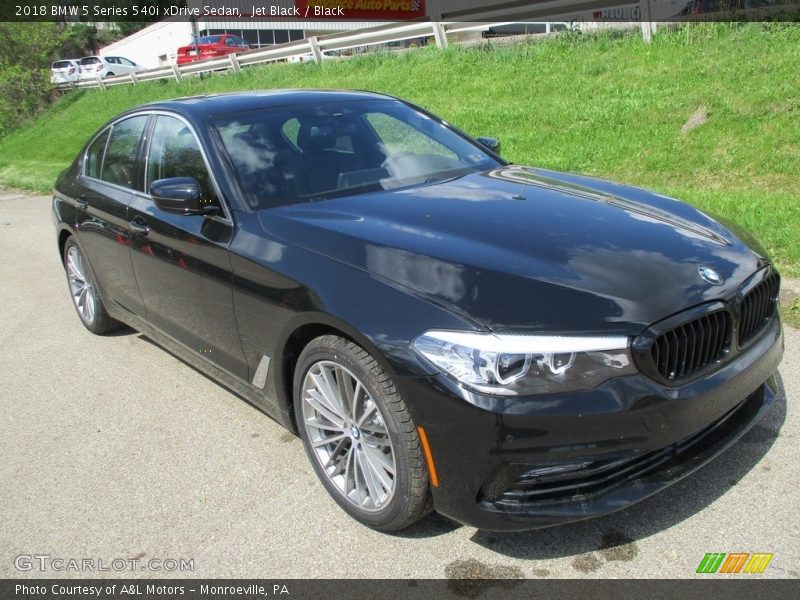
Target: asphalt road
{"type": "Point", "coordinates": [112, 448]}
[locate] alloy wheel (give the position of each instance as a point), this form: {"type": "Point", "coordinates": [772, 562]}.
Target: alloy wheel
{"type": "Point", "coordinates": [80, 285]}
{"type": "Point", "coordinates": [348, 436]}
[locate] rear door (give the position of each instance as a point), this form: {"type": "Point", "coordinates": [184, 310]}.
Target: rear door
{"type": "Point", "coordinates": [181, 261]}
{"type": "Point", "coordinates": [108, 181]}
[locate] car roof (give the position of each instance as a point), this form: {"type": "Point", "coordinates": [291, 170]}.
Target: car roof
{"type": "Point", "coordinates": [218, 104]}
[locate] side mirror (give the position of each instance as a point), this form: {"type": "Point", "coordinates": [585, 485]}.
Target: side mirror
{"type": "Point", "coordinates": [492, 144]}
{"type": "Point", "coordinates": [179, 195]}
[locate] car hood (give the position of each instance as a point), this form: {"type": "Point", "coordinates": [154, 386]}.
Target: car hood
{"type": "Point", "coordinates": [528, 249]}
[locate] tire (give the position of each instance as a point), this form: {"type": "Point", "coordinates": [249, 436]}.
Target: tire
{"type": "Point", "coordinates": [355, 465]}
{"type": "Point", "coordinates": [109, 74]}
{"type": "Point", "coordinates": [84, 292]}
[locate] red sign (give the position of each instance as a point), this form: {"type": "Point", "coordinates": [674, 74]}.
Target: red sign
{"type": "Point", "coordinates": [361, 10]}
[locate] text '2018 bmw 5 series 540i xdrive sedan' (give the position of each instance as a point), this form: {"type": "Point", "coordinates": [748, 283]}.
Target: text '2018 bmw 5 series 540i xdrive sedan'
{"type": "Point", "coordinates": [510, 346]}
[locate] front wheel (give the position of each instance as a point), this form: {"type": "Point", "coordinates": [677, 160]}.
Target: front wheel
{"type": "Point", "coordinates": [359, 435]}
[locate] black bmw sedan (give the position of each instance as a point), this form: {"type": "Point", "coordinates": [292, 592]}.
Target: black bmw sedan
{"type": "Point", "coordinates": [510, 346]}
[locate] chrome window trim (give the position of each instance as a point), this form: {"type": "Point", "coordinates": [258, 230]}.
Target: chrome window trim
{"type": "Point", "coordinates": [110, 129]}
{"type": "Point", "coordinates": [228, 214]}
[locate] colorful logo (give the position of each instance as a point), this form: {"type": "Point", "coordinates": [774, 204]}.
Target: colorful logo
{"type": "Point", "coordinates": [734, 562]}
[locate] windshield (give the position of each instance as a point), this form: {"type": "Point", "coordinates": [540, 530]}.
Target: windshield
{"type": "Point", "coordinates": [298, 154]}
{"type": "Point", "coordinates": [90, 60]}
{"type": "Point", "coordinates": [209, 39]}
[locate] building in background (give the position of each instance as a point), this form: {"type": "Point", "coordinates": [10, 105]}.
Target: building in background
{"type": "Point", "coordinates": [157, 44]}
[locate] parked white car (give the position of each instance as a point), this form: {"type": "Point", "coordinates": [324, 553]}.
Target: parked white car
{"type": "Point", "coordinates": [309, 57]}
{"type": "Point", "coordinates": [66, 70]}
{"type": "Point", "coordinates": [93, 67]}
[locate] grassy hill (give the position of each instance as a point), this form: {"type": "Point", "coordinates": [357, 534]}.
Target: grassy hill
{"type": "Point", "coordinates": [709, 113]}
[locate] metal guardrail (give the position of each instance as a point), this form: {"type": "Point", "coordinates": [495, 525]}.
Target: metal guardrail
{"type": "Point", "coordinates": [494, 15]}
{"type": "Point", "coordinates": [313, 46]}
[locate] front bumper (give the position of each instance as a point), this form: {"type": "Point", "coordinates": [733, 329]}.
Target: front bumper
{"type": "Point", "coordinates": [508, 464]}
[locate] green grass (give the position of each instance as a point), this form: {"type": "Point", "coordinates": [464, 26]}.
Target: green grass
{"type": "Point", "coordinates": [605, 105]}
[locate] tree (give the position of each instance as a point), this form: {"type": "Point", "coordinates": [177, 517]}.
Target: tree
{"type": "Point", "coordinates": [26, 51]}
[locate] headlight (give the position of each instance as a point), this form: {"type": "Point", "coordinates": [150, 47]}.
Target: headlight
{"type": "Point", "coordinates": [525, 364]}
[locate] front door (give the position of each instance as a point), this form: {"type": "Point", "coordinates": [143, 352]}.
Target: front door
{"type": "Point", "coordinates": [181, 261]}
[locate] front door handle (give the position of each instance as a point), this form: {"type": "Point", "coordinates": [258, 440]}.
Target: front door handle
{"type": "Point", "coordinates": [139, 226]}
{"type": "Point", "coordinates": [82, 201]}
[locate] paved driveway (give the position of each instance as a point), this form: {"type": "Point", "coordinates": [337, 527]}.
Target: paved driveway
{"type": "Point", "coordinates": [112, 448]}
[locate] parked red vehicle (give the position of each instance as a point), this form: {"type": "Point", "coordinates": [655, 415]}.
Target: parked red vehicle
{"type": "Point", "coordinates": [211, 46]}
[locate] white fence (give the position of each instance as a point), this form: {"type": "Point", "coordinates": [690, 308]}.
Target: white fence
{"type": "Point", "coordinates": [516, 11]}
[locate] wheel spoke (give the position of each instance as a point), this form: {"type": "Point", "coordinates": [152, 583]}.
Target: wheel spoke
{"type": "Point", "coordinates": [381, 466]}
{"type": "Point", "coordinates": [72, 271]}
{"type": "Point", "coordinates": [376, 440]}
{"type": "Point", "coordinates": [75, 263]}
{"type": "Point", "coordinates": [357, 394]}
{"type": "Point", "coordinates": [326, 395]}
{"type": "Point", "coordinates": [335, 459]}
{"type": "Point", "coordinates": [331, 392]}
{"type": "Point", "coordinates": [80, 265]}
{"type": "Point", "coordinates": [374, 427]}
{"type": "Point", "coordinates": [344, 384]}
{"type": "Point", "coordinates": [369, 410]}
{"type": "Point", "coordinates": [358, 479]}
{"type": "Point", "coordinates": [349, 482]}
{"type": "Point", "coordinates": [323, 425]}
{"type": "Point", "coordinates": [330, 440]}
{"type": "Point", "coordinates": [369, 476]}
{"type": "Point", "coordinates": [314, 398]}
{"type": "Point", "coordinates": [83, 303]}
{"type": "Point", "coordinates": [90, 303]}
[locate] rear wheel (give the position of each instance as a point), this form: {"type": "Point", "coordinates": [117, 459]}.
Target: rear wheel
{"type": "Point", "coordinates": [84, 292]}
{"type": "Point", "coordinates": [359, 435]}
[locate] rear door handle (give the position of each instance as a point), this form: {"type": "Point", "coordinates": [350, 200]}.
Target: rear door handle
{"type": "Point", "coordinates": [82, 201]}
{"type": "Point", "coordinates": [138, 226]}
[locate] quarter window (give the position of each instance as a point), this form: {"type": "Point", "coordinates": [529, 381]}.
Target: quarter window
{"type": "Point", "coordinates": [174, 152]}
{"type": "Point", "coordinates": [119, 165]}
{"type": "Point", "coordinates": [94, 157]}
